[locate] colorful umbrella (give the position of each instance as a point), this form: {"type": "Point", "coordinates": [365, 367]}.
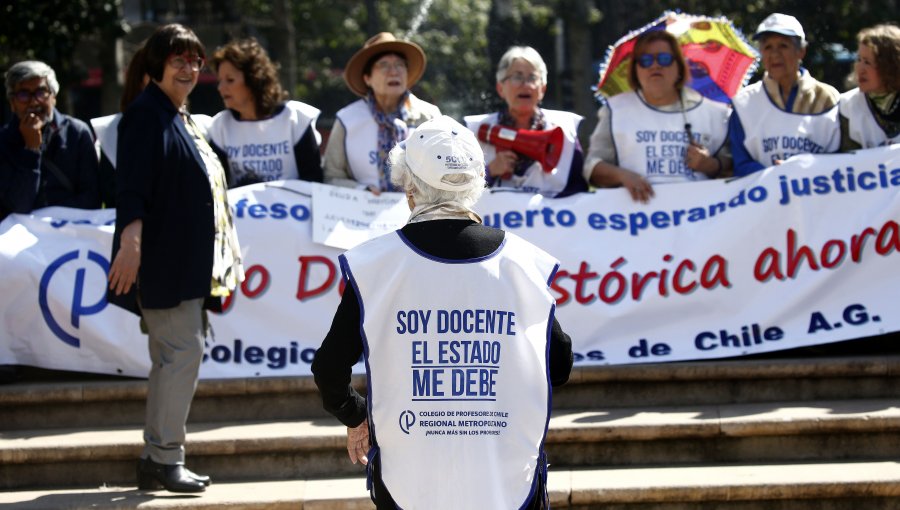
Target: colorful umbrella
{"type": "Point", "coordinates": [719, 57]}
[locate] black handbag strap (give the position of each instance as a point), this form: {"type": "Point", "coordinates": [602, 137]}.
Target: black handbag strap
{"type": "Point", "coordinates": [56, 171]}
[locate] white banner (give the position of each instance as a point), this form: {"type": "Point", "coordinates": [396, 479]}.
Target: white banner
{"type": "Point", "coordinates": [804, 253]}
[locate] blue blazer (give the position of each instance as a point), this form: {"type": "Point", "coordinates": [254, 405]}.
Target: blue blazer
{"type": "Point", "coordinates": [162, 180]}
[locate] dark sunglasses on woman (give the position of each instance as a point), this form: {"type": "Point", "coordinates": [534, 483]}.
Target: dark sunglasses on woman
{"type": "Point", "coordinates": [663, 59]}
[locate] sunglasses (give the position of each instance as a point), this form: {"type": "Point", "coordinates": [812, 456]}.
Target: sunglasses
{"type": "Point", "coordinates": [663, 59]}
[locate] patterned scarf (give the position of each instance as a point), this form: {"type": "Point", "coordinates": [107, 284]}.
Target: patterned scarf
{"type": "Point", "coordinates": [392, 129]}
{"type": "Point", "coordinates": [227, 269]}
{"type": "Point", "coordinates": [887, 107]}
{"type": "Point", "coordinates": [537, 124]}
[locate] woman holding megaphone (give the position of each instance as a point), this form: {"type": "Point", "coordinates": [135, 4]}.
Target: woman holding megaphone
{"type": "Point", "coordinates": [549, 170]}
{"type": "Point", "coordinates": [661, 132]}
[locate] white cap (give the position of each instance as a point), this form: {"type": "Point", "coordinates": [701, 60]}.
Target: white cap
{"type": "Point", "coordinates": [780, 24]}
{"type": "Point", "coordinates": [440, 147]}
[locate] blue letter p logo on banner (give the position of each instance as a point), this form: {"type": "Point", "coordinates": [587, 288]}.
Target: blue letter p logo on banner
{"type": "Point", "coordinates": [78, 308]}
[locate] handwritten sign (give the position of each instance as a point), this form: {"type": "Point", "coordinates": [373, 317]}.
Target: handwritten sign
{"type": "Point", "coordinates": [346, 217]}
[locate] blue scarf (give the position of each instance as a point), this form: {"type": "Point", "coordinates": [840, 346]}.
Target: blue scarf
{"type": "Point", "coordinates": [391, 130]}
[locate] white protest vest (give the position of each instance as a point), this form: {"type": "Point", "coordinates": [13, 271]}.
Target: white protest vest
{"type": "Point", "coordinates": [361, 140]}
{"type": "Point", "coordinates": [862, 127]}
{"type": "Point", "coordinates": [263, 150]}
{"type": "Point", "coordinates": [771, 133]}
{"type": "Point", "coordinates": [654, 143]}
{"type": "Point", "coordinates": [456, 357]}
{"type": "Point", "coordinates": [535, 179]}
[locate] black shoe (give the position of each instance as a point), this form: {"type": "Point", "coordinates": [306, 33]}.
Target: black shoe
{"type": "Point", "coordinates": [204, 479]}
{"type": "Point", "coordinates": [172, 477]}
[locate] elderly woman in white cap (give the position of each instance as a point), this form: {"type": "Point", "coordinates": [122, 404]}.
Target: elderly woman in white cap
{"type": "Point", "coordinates": [521, 83]}
{"type": "Point", "coordinates": [381, 73]}
{"type": "Point", "coordinates": [870, 113]}
{"type": "Point", "coordinates": [475, 352]}
{"type": "Point", "coordinates": [788, 112]}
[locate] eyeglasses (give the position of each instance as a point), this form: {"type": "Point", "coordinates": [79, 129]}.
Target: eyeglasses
{"type": "Point", "coordinates": [386, 65]}
{"type": "Point", "coordinates": [24, 96]}
{"type": "Point", "coordinates": [518, 79]}
{"type": "Point", "coordinates": [179, 62]}
{"type": "Point", "coordinates": [663, 59]}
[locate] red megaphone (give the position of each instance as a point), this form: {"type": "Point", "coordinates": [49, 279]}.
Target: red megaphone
{"type": "Point", "coordinates": [544, 147]}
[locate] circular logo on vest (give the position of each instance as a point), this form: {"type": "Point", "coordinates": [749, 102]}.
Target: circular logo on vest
{"type": "Point", "coordinates": [407, 420]}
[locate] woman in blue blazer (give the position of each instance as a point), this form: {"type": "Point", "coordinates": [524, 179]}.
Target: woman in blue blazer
{"type": "Point", "coordinates": [175, 251]}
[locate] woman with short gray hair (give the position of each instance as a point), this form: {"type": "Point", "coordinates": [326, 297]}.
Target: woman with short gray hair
{"type": "Point", "coordinates": [423, 195]}
{"type": "Point", "coordinates": [522, 83]}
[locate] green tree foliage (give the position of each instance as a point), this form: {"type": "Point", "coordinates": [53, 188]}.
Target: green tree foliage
{"type": "Point", "coordinates": [50, 31]}
{"type": "Point", "coordinates": [452, 33]}
{"type": "Point", "coordinates": [463, 39]}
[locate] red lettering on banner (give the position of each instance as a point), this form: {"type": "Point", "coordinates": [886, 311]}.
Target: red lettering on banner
{"type": "Point", "coordinates": [245, 289]}
{"type": "Point", "coordinates": [616, 284]}
{"type": "Point", "coordinates": [831, 255]}
{"type": "Point", "coordinates": [715, 272]}
{"type": "Point", "coordinates": [888, 239]}
{"type": "Point", "coordinates": [249, 278]}
{"type": "Point", "coordinates": [796, 255]}
{"type": "Point", "coordinates": [857, 242]}
{"type": "Point", "coordinates": [676, 281]}
{"type": "Point", "coordinates": [611, 278]}
{"type": "Point", "coordinates": [306, 262]}
{"type": "Point", "coordinates": [580, 278]}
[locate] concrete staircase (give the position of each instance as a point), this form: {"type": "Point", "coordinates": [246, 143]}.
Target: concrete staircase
{"type": "Point", "coordinates": [801, 433]}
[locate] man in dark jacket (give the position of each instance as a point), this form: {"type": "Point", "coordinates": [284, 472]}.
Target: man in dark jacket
{"type": "Point", "coordinates": [46, 158]}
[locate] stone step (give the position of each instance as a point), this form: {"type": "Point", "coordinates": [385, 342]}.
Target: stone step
{"type": "Point", "coordinates": [779, 431]}
{"type": "Point", "coordinates": [784, 431]}
{"type": "Point", "coordinates": [732, 381]}
{"type": "Point", "coordinates": [110, 402]}
{"type": "Point", "coordinates": [773, 486]}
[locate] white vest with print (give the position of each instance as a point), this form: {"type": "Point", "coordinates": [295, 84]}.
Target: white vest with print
{"type": "Point", "coordinates": [654, 143]}
{"type": "Point", "coordinates": [263, 148]}
{"type": "Point", "coordinates": [862, 127]}
{"type": "Point", "coordinates": [361, 140]}
{"type": "Point", "coordinates": [535, 179]}
{"type": "Point", "coordinates": [771, 133]}
{"type": "Point", "coordinates": [458, 382]}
